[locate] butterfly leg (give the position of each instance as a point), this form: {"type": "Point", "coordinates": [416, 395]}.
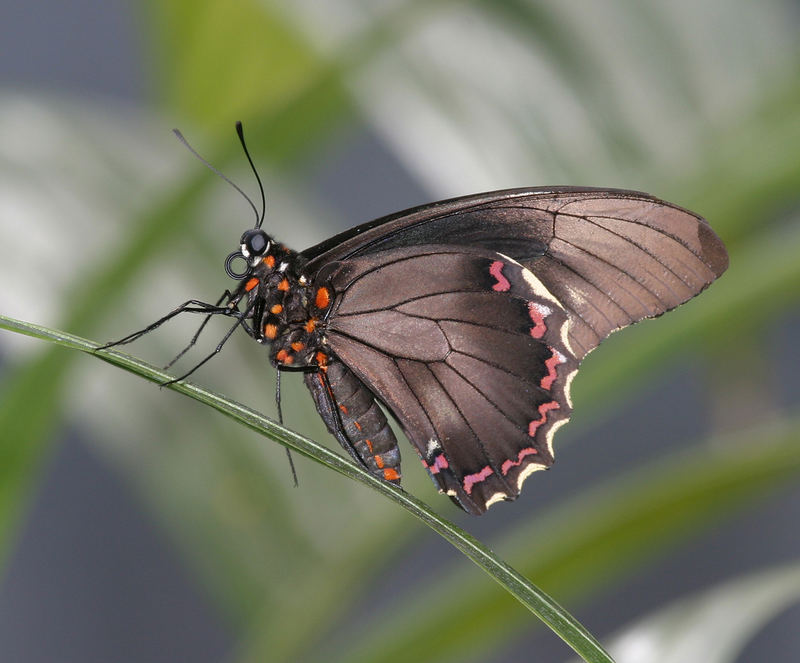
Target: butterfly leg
{"type": "Point", "coordinates": [280, 421]}
{"type": "Point", "coordinates": [226, 295]}
{"type": "Point", "coordinates": [240, 321]}
{"type": "Point", "coordinates": [191, 306]}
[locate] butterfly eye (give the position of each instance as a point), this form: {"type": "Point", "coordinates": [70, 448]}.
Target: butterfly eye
{"type": "Point", "coordinates": [255, 243]}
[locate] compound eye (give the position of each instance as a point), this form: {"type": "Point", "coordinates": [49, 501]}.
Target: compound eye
{"type": "Point", "coordinates": [256, 242]}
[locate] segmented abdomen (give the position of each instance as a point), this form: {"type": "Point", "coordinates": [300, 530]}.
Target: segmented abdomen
{"type": "Point", "coordinates": [352, 415]}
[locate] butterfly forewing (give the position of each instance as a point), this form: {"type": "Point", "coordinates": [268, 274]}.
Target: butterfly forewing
{"type": "Point", "coordinates": [609, 257]}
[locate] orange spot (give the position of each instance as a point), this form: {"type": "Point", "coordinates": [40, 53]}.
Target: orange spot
{"type": "Point", "coordinates": [378, 461]}
{"type": "Point", "coordinates": [252, 283]}
{"type": "Point", "coordinates": [358, 427]}
{"type": "Point", "coordinates": [270, 261]}
{"type": "Point", "coordinates": [391, 475]}
{"type": "Point", "coordinates": [276, 309]}
{"type": "Point", "coordinates": [284, 285]}
{"type": "Point", "coordinates": [369, 444]}
{"type": "Point", "coordinates": [284, 357]}
{"type": "Point", "coordinates": [297, 346]}
{"type": "Point", "coordinates": [270, 330]}
{"type": "Point", "coordinates": [323, 298]}
{"type": "Point", "coordinates": [322, 359]}
{"type": "Point", "coordinates": [311, 325]}
{"type": "Point", "coordinates": [343, 408]}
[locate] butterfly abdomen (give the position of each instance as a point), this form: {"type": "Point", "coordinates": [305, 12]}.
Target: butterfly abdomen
{"type": "Point", "coordinates": [353, 416]}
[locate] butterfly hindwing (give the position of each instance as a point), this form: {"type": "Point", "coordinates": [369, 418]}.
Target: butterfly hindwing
{"type": "Point", "coordinates": [468, 317]}
{"type": "Point", "coordinates": [469, 352]}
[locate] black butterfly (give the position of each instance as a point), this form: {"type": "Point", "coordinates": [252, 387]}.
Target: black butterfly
{"type": "Point", "coordinates": [467, 319]}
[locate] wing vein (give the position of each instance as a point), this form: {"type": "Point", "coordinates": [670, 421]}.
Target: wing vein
{"type": "Point", "coordinates": [621, 271]}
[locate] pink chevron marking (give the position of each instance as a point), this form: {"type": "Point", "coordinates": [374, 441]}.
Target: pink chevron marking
{"type": "Point", "coordinates": [471, 479]}
{"type": "Point", "coordinates": [496, 270]}
{"type": "Point", "coordinates": [507, 465]}
{"type": "Point", "coordinates": [439, 463]}
{"type": "Point", "coordinates": [544, 408]}
{"type": "Point", "coordinates": [538, 313]}
{"type": "Point", "coordinates": [552, 364]}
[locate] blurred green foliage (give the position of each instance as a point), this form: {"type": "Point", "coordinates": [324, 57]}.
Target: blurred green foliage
{"type": "Point", "coordinates": [641, 96]}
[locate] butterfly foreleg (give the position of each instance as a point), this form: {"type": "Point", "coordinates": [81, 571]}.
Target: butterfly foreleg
{"type": "Point", "coordinates": [190, 306]}
{"type": "Point", "coordinates": [230, 306]}
{"type": "Point", "coordinates": [240, 321]}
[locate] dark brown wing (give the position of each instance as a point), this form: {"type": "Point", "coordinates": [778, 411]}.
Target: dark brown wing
{"type": "Point", "coordinates": [468, 350]}
{"type": "Point", "coordinates": [609, 257]}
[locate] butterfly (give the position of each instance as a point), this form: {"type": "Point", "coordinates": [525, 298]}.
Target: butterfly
{"type": "Point", "coordinates": [465, 319]}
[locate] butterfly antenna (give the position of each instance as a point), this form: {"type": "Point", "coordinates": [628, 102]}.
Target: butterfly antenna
{"type": "Point", "coordinates": [240, 133]}
{"type": "Point", "coordinates": [180, 137]}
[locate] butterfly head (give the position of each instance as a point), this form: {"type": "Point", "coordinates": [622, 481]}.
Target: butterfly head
{"type": "Point", "coordinates": [253, 247]}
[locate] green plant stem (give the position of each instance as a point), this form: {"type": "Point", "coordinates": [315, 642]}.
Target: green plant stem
{"type": "Point", "coordinates": [539, 603]}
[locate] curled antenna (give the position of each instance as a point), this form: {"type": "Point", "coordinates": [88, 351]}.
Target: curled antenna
{"type": "Point", "coordinates": [240, 132]}
{"type": "Point", "coordinates": [180, 137]}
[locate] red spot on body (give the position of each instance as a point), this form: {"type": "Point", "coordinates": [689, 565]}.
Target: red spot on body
{"type": "Point", "coordinates": [391, 475]}
{"type": "Point", "coordinates": [379, 461]}
{"type": "Point", "coordinates": [252, 283]}
{"type": "Point", "coordinates": [276, 309]}
{"type": "Point", "coordinates": [368, 442]}
{"type": "Point", "coordinates": [496, 270]}
{"type": "Point", "coordinates": [538, 314]}
{"type": "Point", "coordinates": [471, 479]}
{"type": "Point", "coordinates": [283, 286]}
{"type": "Point", "coordinates": [552, 364]}
{"type": "Point", "coordinates": [544, 408]}
{"type": "Point", "coordinates": [343, 408]}
{"type": "Point", "coordinates": [322, 359]}
{"type": "Point", "coordinates": [358, 427]}
{"type": "Point", "coordinates": [323, 298]}
{"type": "Point", "coordinates": [284, 357]}
{"type": "Point", "coordinates": [270, 261]}
{"type": "Point", "coordinates": [270, 331]}
{"type": "Point", "coordinates": [298, 345]}
{"type": "Point", "coordinates": [311, 325]}
{"type": "Point", "coordinates": [507, 465]}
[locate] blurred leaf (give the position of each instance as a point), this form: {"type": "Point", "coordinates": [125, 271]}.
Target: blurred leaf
{"type": "Point", "coordinates": [217, 62]}
{"type": "Point", "coordinates": [574, 63]}
{"type": "Point", "coordinates": [712, 626]}
{"type": "Point", "coordinates": [749, 172]}
{"type": "Point", "coordinates": [578, 548]}
{"type": "Point", "coordinates": [30, 396]}
{"type": "Point", "coordinates": [543, 606]}
{"type": "Point", "coordinates": [495, 106]}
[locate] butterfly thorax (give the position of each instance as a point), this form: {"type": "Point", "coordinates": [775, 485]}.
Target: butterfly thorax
{"type": "Point", "coordinates": [287, 310]}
